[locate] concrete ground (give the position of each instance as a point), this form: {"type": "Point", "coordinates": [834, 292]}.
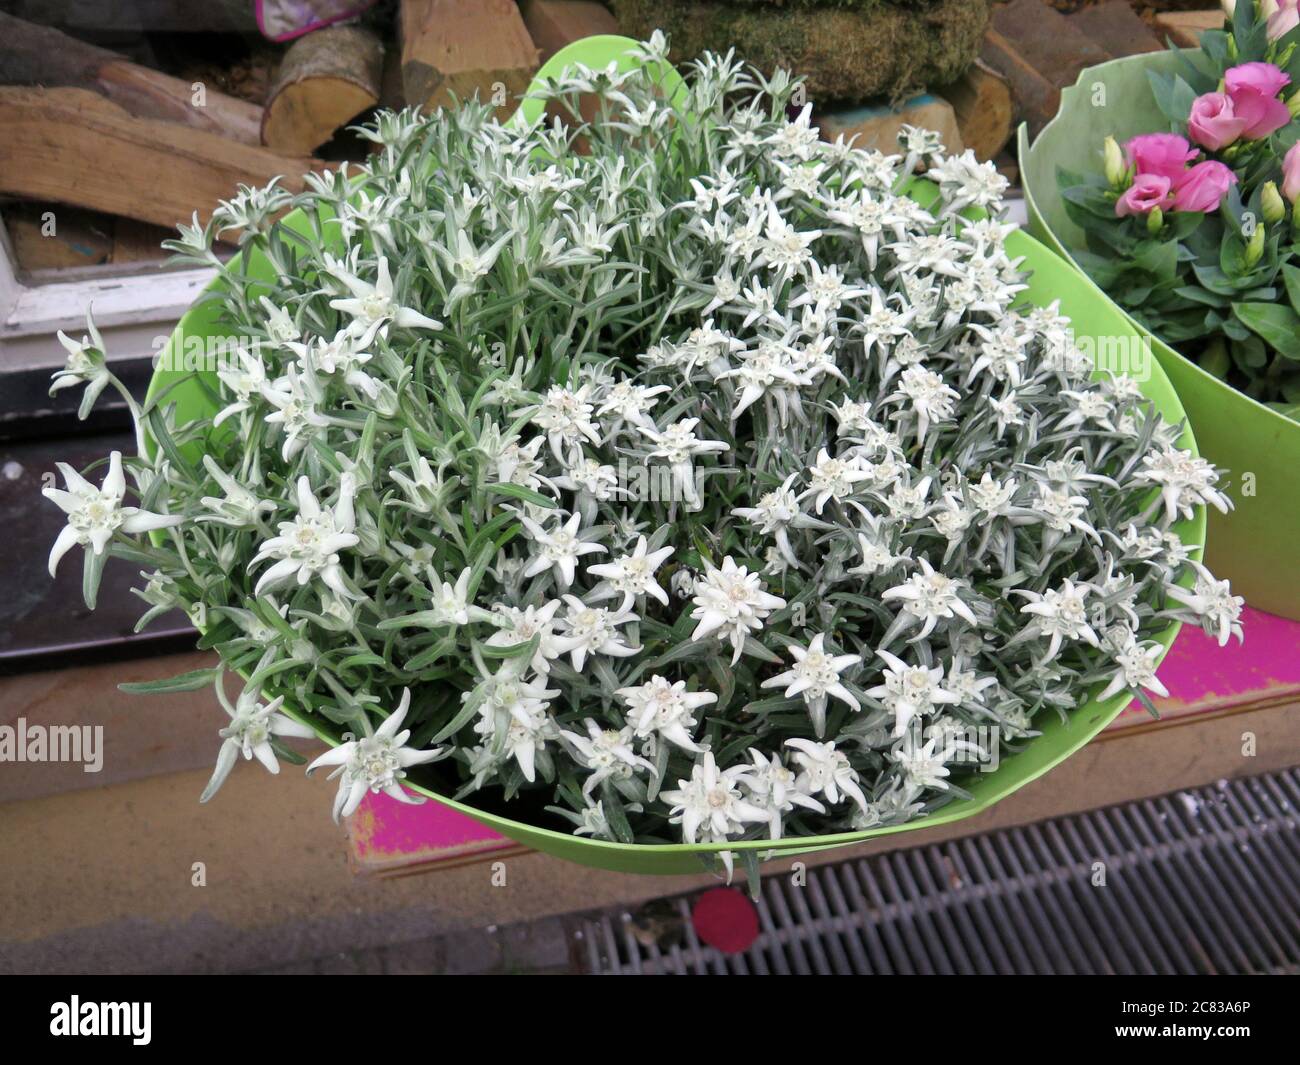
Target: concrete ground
{"type": "Point", "coordinates": [136, 876]}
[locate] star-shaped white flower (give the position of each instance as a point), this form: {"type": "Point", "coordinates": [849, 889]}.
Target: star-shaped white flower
{"type": "Point", "coordinates": [910, 691]}
{"type": "Point", "coordinates": [558, 548]}
{"type": "Point", "coordinates": [664, 707]}
{"type": "Point", "coordinates": [375, 763]}
{"type": "Point", "coordinates": [816, 676]}
{"type": "Point", "coordinates": [95, 514]}
{"type": "Point", "coordinates": [308, 546]}
{"type": "Point", "coordinates": [631, 575]}
{"type": "Point", "coordinates": [372, 305]}
{"type": "Point", "coordinates": [732, 602]}
{"type": "Point", "coordinates": [252, 726]}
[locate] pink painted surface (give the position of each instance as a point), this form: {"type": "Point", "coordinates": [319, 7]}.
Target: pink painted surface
{"type": "Point", "coordinates": [1201, 676]}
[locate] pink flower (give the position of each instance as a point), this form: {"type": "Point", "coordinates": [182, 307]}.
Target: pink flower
{"type": "Point", "coordinates": [1284, 19]}
{"type": "Point", "coordinates": [1203, 187]}
{"type": "Point", "coordinates": [1253, 88]}
{"type": "Point", "coordinates": [1291, 173]}
{"type": "Point", "coordinates": [1147, 192]}
{"type": "Point", "coordinates": [1163, 154]}
{"type": "Point", "coordinates": [1213, 123]}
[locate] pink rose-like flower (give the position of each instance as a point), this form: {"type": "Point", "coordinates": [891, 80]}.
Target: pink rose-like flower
{"type": "Point", "coordinates": [1253, 88]}
{"type": "Point", "coordinates": [1203, 187]}
{"type": "Point", "coordinates": [1213, 123]}
{"type": "Point", "coordinates": [1162, 154]}
{"type": "Point", "coordinates": [1291, 174]}
{"type": "Point", "coordinates": [1147, 192]}
{"type": "Point", "coordinates": [1284, 19]}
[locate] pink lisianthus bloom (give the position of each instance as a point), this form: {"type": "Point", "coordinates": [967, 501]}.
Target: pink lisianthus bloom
{"type": "Point", "coordinates": [1162, 154]}
{"type": "Point", "coordinates": [1291, 174]}
{"type": "Point", "coordinates": [1213, 122]}
{"type": "Point", "coordinates": [1253, 89]}
{"type": "Point", "coordinates": [1284, 19]}
{"type": "Point", "coordinates": [1203, 187]}
{"type": "Point", "coordinates": [1147, 192]}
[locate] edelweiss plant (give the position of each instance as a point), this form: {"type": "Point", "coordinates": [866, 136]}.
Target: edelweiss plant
{"type": "Point", "coordinates": [674, 469]}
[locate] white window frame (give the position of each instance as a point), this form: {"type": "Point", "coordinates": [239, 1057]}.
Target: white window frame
{"type": "Point", "coordinates": [135, 304]}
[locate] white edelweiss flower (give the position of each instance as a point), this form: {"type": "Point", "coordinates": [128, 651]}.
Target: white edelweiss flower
{"type": "Point", "coordinates": [833, 478]}
{"type": "Point", "coordinates": [882, 324]}
{"type": "Point", "coordinates": [631, 575]}
{"type": "Point", "coordinates": [876, 554]}
{"type": "Point", "coordinates": [679, 446]}
{"type": "Point", "coordinates": [731, 601]}
{"type": "Point", "coordinates": [593, 630]}
{"type": "Point", "coordinates": [252, 726]}
{"type": "Point", "coordinates": [1186, 482]}
{"type": "Point", "coordinates": [519, 626]}
{"type": "Point", "coordinates": [631, 402]}
{"type": "Point", "coordinates": [966, 182]}
{"type": "Point", "coordinates": [929, 597]}
{"type": "Point", "coordinates": [245, 382]}
{"type": "Point", "coordinates": [85, 364]}
{"type": "Point", "coordinates": [450, 604]}
{"type": "Point", "coordinates": [816, 676]}
{"type": "Point", "coordinates": [930, 397]}
{"type": "Point", "coordinates": [1059, 613]}
{"type": "Point", "coordinates": [239, 507]}
{"type": "Point", "coordinates": [710, 806]}
{"type": "Point", "coordinates": [297, 397]}
{"type": "Point", "coordinates": [372, 305]}
{"type": "Point", "coordinates": [341, 357]}
{"type": "Point", "coordinates": [425, 490]}
{"type": "Point", "coordinates": [597, 479]}
{"type": "Point", "coordinates": [280, 326]}
{"type": "Point", "coordinates": [375, 763]}
{"type": "Point", "coordinates": [825, 771]}
{"type": "Point", "coordinates": [95, 514]}
{"type": "Point", "coordinates": [777, 512]}
{"type": "Point", "coordinates": [910, 692]}
{"type": "Point", "coordinates": [607, 752]}
{"type": "Point", "coordinates": [667, 709]}
{"type": "Point", "coordinates": [993, 497]}
{"type": "Point", "coordinates": [924, 765]}
{"type": "Point", "coordinates": [797, 139]}
{"type": "Point", "coordinates": [308, 546]}
{"type": "Point", "coordinates": [1212, 601]}
{"type": "Point", "coordinates": [564, 414]}
{"type": "Point", "coordinates": [557, 549]}
{"type": "Point", "coordinates": [776, 789]}
{"type": "Point", "coordinates": [1135, 669]}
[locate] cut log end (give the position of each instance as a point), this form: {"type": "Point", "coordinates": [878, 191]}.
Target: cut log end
{"type": "Point", "coordinates": [326, 79]}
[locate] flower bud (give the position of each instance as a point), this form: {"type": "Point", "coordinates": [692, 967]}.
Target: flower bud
{"type": "Point", "coordinates": [1254, 247]}
{"type": "Point", "coordinates": [1271, 203]}
{"type": "Point", "coordinates": [1115, 168]}
{"type": "Point", "coordinates": [1155, 220]}
{"type": "Point", "coordinates": [1293, 103]}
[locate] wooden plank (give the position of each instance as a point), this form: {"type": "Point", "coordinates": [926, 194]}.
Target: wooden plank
{"type": "Point", "coordinates": [877, 127]}
{"type": "Point", "coordinates": [1184, 28]}
{"type": "Point", "coordinates": [40, 56]}
{"type": "Point", "coordinates": [1117, 28]}
{"type": "Point", "coordinates": [454, 51]}
{"type": "Point", "coordinates": [981, 100]}
{"type": "Point", "coordinates": [554, 23]}
{"type": "Point", "coordinates": [72, 146]}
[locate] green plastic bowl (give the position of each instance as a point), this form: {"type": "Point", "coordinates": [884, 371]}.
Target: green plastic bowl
{"type": "Point", "coordinates": [1255, 546]}
{"type": "Point", "coordinates": [1051, 279]}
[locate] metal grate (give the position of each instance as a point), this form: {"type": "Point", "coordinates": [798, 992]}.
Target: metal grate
{"type": "Point", "coordinates": [1201, 881]}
